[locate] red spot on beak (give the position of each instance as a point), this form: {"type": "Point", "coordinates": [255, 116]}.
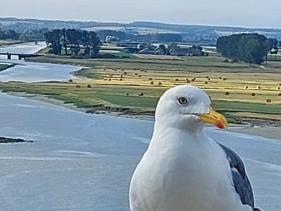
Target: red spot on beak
{"type": "Point", "coordinates": [220, 125]}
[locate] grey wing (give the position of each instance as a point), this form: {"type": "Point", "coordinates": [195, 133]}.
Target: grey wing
{"type": "Point", "coordinates": [240, 180]}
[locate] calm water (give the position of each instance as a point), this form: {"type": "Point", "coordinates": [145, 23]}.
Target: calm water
{"type": "Point", "coordinates": [33, 72]}
{"type": "Point", "coordinates": [84, 162]}
{"type": "Point", "coordinates": [24, 48]}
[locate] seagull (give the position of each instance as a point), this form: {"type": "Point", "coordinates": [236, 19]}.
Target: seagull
{"type": "Point", "coordinates": [185, 170]}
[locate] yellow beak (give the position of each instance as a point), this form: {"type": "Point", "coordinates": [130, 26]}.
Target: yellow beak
{"type": "Point", "coordinates": [214, 118]}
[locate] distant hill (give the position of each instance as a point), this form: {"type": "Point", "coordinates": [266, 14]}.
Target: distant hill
{"type": "Point", "coordinates": [190, 33]}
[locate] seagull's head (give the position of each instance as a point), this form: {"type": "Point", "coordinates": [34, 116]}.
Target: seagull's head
{"type": "Point", "coordinates": [187, 107]}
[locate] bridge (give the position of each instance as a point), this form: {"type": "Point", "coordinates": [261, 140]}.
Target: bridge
{"type": "Point", "coordinates": [19, 56]}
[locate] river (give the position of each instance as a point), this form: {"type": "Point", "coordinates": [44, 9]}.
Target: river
{"type": "Point", "coordinates": [83, 162]}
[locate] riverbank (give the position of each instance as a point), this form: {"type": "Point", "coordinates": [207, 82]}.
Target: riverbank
{"type": "Point", "coordinates": [5, 66]}
{"type": "Point", "coordinates": [4, 43]}
{"type": "Point", "coordinates": [263, 130]}
{"type": "Point", "coordinates": [5, 140]}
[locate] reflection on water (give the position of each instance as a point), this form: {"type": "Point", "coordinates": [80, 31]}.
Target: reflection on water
{"type": "Point", "coordinates": [84, 162]}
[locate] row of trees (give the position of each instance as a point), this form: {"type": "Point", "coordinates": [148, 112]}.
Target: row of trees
{"type": "Point", "coordinates": [28, 35]}
{"type": "Point", "coordinates": [9, 35]}
{"type": "Point", "coordinates": [250, 48]}
{"type": "Point", "coordinates": [73, 42]}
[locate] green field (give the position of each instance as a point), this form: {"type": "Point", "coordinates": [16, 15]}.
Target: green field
{"type": "Point", "coordinates": [134, 85]}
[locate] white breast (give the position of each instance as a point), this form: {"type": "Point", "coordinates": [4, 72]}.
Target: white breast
{"type": "Point", "coordinates": [182, 172]}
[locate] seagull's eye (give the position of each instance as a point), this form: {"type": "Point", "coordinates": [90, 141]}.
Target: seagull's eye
{"type": "Point", "coordinates": [183, 101]}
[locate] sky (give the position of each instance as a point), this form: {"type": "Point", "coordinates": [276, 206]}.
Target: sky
{"type": "Point", "coordinates": [249, 13]}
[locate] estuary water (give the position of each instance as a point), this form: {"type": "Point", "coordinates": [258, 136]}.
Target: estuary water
{"type": "Point", "coordinates": [83, 162]}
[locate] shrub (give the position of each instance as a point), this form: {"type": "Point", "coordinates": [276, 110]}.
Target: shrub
{"type": "Point", "coordinates": [151, 82]}
{"type": "Point", "coordinates": [89, 86]}
{"type": "Point", "coordinates": [253, 94]}
{"type": "Point", "coordinates": [78, 86]}
{"type": "Point", "coordinates": [268, 100]}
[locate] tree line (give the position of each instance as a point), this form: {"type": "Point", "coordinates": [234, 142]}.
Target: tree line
{"type": "Point", "coordinates": [250, 48]}
{"type": "Point", "coordinates": [28, 35]}
{"type": "Point", "coordinates": [73, 42]}
{"type": "Point", "coordinates": [153, 37]}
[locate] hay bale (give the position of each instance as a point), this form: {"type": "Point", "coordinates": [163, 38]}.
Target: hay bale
{"type": "Point", "coordinates": [206, 82]}
{"type": "Point", "coordinates": [150, 79]}
{"type": "Point", "coordinates": [226, 93]}
{"type": "Point", "coordinates": [141, 94]}
{"type": "Point", "coordinates": [78, 86]}
{"type": "Point", "coordinates": [279, 94]}
{"type": "Point", "coordinates": [258, 87]}
{"type": "Point", "coordinates": [151, 82]}
{"type": "Point", "coordinates": [177, 79]}
{"type": "Point", "coordinates": [125, 73]}
{"type": "Point", "coordinates": [268, 100]}
{"type": "Point", "coordinates": [253, 94]}
{"type": "Point", "coordinates": [246, 87]}
{"type": "Point", "coordinates": [121, 79]}
{"type": "Point", "coordinates": [89, 86]}
{"type": "Point", "coordinates": [159, 83]}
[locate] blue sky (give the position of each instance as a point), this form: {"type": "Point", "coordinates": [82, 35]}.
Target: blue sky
{"type": "Point", "coordinates": [251, 13]}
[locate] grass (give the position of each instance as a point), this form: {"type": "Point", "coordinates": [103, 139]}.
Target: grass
{"type": "Point", "coordinates": [134, 85]}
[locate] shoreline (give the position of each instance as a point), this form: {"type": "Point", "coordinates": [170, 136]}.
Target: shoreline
{"type": "Point", "coordinates": [262, 131]}
{"type": "Point", "coordinates": [266, 131]}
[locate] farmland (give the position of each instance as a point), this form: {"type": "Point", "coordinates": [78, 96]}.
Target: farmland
{"type": "Point", "coordinates": [133, 86]}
